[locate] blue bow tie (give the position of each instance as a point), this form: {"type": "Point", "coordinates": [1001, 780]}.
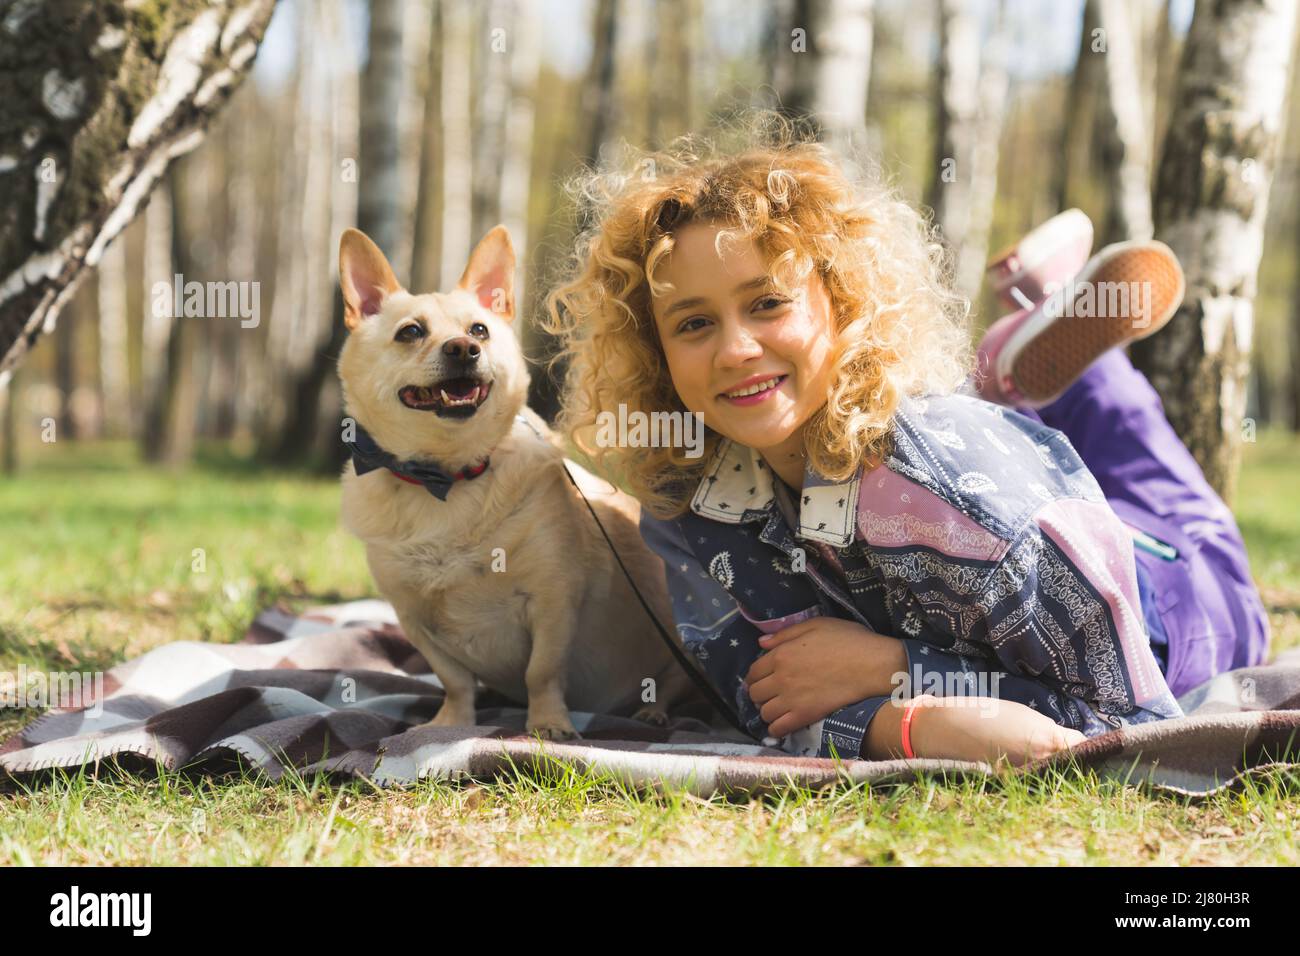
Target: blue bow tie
{"type": "Point", "coordinates": [367, 456]}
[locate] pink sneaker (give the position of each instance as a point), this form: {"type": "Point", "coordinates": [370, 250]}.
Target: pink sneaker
{"type": "Point", "coordinates": [1126, 292]}
{"type": "Point", "coordinates": [1027, 272]}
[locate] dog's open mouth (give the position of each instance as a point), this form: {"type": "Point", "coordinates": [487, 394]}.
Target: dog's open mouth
{"type": "Point", "coordinates": [455, 397]}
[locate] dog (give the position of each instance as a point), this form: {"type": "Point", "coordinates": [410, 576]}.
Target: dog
{"type": "Point", "coordinates": [473, 532]}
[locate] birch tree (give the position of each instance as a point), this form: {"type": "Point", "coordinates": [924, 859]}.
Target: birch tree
{"type": "Point", "coordinates": [1211, 197]}
{"type": "Point", "coordinates": [517, 164]}
{"type": "Point", "coordinates": [114, 369]}
{"type": "Point", "coordinates": [313, 320]}
{"type": "Point", "coordinates": [830, 45]}
{"type": "Point", "coordinates": [494, 40]}
{"type": "Point", "coordinates": [969, 104]}
{"type": "Point", "coordinates": [426, 258]}
{"type": "Point", "coordinates": [457, 139]}
{"type": "Point", "coordinates": [992, 103]}
{"type": "Point", "coordinates": [87, 131]}
{"type": "Point", "coordinates": [1126, 161]}
{"type": "Point", "coordinates": [303, 314]}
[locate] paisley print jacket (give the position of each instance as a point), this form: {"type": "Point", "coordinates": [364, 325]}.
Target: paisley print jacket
{"type": "Point", "coordinates": [982, 542]}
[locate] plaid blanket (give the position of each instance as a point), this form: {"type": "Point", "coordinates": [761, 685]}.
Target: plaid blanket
{"type": "Point", "coordinates": [340, 690]}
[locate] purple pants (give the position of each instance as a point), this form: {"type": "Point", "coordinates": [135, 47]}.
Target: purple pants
{"type": "Point", "coordinates": [1213, 617]}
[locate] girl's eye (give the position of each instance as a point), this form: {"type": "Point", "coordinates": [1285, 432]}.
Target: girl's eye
{"type": "Point", "coordinates": [478, 330]}
{"type": "Point", "coordinates": [769, 302]}
{"type": "Point", "coordinates": [410, 333]}
{"type": "Point", "coordinates": [688, 327]}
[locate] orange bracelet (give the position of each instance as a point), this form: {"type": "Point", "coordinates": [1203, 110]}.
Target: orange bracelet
{"type": "Point", "coordinates": [908, 711]}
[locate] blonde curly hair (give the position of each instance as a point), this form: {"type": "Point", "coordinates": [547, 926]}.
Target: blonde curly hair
{"type": "Point", "coordinates": [900, 328]}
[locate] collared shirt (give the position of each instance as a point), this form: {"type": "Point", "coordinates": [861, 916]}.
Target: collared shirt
{"type": "Point", "coordinates": [982, 542]}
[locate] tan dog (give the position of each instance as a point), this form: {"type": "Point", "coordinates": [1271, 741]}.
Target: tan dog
{"type": "Point", "coordinates": [506, 578]}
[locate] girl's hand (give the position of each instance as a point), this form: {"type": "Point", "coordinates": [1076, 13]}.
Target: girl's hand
{"type": "Point", "coordinates": [987, 729]}
{"type": "Point", "coordinates": [813, 668]}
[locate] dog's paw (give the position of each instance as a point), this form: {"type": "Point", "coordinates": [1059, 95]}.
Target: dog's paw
{"type": "Point", "coordinates": [654, 716]}
{"type": "Point", "coordinates": [555, 731]}
{"type": "Point", "coordinates": [453, 717]}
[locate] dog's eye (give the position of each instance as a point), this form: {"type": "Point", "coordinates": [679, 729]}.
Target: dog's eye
{"type": "Point", "coordinates": [410, 333]}
{"type": "Point", "coordinates": [478, 330]}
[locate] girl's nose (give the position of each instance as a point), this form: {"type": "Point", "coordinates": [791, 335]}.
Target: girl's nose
{"type": "Point", "coordinates": [737, 344]}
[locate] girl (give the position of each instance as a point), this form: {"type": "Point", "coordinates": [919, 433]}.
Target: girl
{"type": "Point", "coordinates": [869, 559]}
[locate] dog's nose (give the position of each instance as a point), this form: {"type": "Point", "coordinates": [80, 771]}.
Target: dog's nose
{"type": "Point", "coordinates": [462, 348]}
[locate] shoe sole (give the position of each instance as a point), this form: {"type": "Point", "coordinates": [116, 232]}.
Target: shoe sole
{"type": "Point", "coordinates": [1057, 355]}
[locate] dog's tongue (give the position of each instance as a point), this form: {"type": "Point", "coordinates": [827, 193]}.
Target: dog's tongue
{"type": "Point", "coordinates": [460, 388]}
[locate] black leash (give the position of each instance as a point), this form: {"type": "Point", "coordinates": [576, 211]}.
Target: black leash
{"type": "Point", "coordinates": [700, 681]}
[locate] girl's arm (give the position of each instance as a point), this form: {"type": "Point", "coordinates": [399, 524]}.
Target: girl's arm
{"type": "Point", "coordinates": [967, 728]}
{"type": "Point", "coordinates": [718, 635]}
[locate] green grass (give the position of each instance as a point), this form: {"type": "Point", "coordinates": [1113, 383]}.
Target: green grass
{"type": "Point", "coordinates": [98, 566]}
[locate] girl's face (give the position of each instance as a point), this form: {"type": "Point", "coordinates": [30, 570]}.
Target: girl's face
{"type": "Point", "coordinates": [755, 363]}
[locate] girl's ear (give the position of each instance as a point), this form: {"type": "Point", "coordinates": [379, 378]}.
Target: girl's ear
{"type": "Point", "coordinates": [490, 275]}
{"type": "Point", "coordinates": [365, 277]}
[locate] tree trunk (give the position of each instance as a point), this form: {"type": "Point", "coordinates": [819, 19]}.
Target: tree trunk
{"type": "Point", "coordinates": [1126, 161]}
{"type": "Point", "coordinates": [831, 68]}
{"type": "Point", "coordinates": [517, 168]}
{"type": "Point", "coordinates": [497, 36]}
{"type": "Point", "coordinates": [109, 117]}
{"type": "Point", "coordinates": [114, 369]}
{"type": "Point", "coordinates": [318, 336]}
{"type": "Point", "coordinates": [956, 122]}
{"type": "Point", "coordinates": [169, 423]}
{"type": "Point", "coordinates": [598, 89]}
{"type": "Point", "coordinates": [457, 140]}
{"type": "Point", "coordinates": [972, 255]}
{"type": "Point", "coordinates": [9, 397]}
{"type": "Point", "coordinates": [65, 367]}
{"type": "Point", "coordinates": [156, 335]}
{"type": "Point", "coordinates": [673, 42]}
{"type": "Point", "coordinates": [1210, 202]}
{"type": "Point", "coordinates": [596, 104]}
{"type": "Point", "coordinates": [426, 257]}
{"type": "Point", "coordinates": [1080, 104]}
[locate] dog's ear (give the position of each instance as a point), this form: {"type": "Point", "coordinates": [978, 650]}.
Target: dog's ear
{"type": "Point", "coordinates": [365, 275]}
{"type": "Point", "coordinates": [490, 275]}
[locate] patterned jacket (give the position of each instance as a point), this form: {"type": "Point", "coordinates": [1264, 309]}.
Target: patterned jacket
{"type": "Point", "coordinates": [982, 542]}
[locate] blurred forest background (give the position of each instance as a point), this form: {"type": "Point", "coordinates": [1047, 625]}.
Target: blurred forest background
{"type": "Point", "coordinates": [426, 122]}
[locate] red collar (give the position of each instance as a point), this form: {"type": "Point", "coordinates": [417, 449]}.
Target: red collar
{"type": "Point", "coordinates": [469, 471]}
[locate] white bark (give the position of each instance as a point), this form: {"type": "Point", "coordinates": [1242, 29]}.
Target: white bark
{"type": "Point", "coordinates": [992, 97]}
{"type": "Point", "coordinates": [496, 38]}
{"type": "Point", "coordinates": [516, 172]}
{"type": "Point", "coordinates": [114, 370]}
{"type": "Point", "coordinates": [1211, 200]}
{"type": "Point", "coordinates": [457, 139]}
{"type": "Point", "coordinates": [842, 70]}
{"type": "Point", "coordinates": [201, 61]}
{"type": "Point", "coordinates": [957, 120]}
{"type": "Point", "coordinates": [1127, 165]}
{"type": "Point", "coordinates": [382, 84]}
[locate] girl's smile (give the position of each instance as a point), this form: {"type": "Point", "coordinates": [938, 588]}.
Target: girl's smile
{"type": "Point", "coordinates": [754, 389]}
